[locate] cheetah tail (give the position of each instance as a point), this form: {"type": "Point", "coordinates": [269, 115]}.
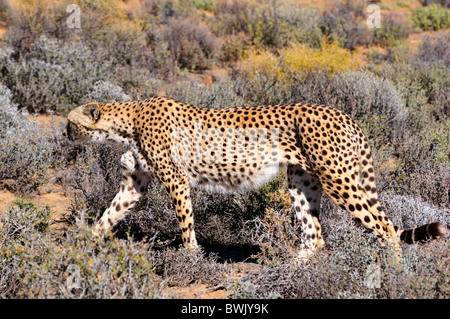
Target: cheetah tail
{"type": "Point", "coordinates": [424, 233]}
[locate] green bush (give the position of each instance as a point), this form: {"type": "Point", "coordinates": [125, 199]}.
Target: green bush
{"type": "Point", "coordinates": [233, 49]}
{"type": "Point", "coordinates": [164, 10]}
{"type": "Point", "coordinates": [204, 4]}
{"type": "Point", "coordinates": [266, 29]}
{"type": "Point", "coordinates": [432, 63]}
{"type": "Point", "coordinates": [433, 17]}
{"type": "Point", "coordinates": [26, 217]}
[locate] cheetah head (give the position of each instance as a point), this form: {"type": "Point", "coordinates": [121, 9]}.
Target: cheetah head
{"type": "Point", "coordinates": [92, 121]}
{"type": "Point", "coordinates": [83, 123]}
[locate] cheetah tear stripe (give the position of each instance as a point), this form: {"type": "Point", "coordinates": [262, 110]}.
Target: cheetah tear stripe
{"type": "Point", "coordinates": [240, 148]}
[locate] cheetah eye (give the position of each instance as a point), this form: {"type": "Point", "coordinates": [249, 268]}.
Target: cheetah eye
{"type": "Point", "coordinates": [94, 113]}
{"type": "Point", "coordinates": [92, 110]}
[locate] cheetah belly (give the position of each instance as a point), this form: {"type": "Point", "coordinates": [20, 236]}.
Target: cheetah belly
{"type": "Point", "coordinates": [236, 180]}
{"type": "Point", "coordinates": [249, 170]}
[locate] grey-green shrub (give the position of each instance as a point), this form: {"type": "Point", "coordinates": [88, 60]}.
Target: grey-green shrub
{"type": "Point", "coordinates": [410, 212]}
{"type": "Point", "coordinates": [105, 91]}
{"type": "Point", "coordinates": [9, 115]}
{"type": "Point", "coordinates": [302, 23]}
{"type": "Point", "coordinates": [53, 76]}
{"type": "Point", "coordinates": [424, 78]}
{"type": "Point", "coordinates": [423, 168]}
{"type": "Point", "coordinates": [32, 265]}
{"type": "Point", "coordinates": [219, 94]}
{"type": "Point", "coordinates": [25, 155]}
{"type": "Point", "coordinates": [360, 93]}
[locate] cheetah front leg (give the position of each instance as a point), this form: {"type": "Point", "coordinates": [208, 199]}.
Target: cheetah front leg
{"type": "Point", "coordinates": [133, 186]}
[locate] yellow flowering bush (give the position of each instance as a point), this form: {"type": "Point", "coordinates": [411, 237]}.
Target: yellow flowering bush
{"type": "Point", "coordinates": [299, 60]}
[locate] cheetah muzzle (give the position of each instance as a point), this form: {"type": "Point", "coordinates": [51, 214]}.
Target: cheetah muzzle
{"type": "Point", "coordinates": [240, 148]}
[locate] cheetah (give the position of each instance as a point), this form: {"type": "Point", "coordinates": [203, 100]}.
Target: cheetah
{"type": "Point", "coordinates": [241, 148]}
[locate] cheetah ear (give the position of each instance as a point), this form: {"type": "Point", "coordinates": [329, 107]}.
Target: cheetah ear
{"type": "Point", "coordinates": [93, 111]}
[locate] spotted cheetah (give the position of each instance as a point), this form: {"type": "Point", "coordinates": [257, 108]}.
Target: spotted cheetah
{"type": "Point", "coordinates": [240, 148]}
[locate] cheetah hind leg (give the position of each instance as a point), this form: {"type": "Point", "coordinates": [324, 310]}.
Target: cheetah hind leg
{"type": "Point", "coordinates": [133, 186]}
{"type": "Point", "coordinates": [306, 194]}
{"type": "Point", "coordinates": [179, 190]}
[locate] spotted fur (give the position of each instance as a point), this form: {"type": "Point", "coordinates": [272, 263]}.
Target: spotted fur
{"type": "Point", "coordinates": [321, 148]}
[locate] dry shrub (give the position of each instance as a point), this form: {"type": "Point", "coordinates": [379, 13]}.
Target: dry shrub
{"type": "Point", "coordinates": [193, 45]}
{"type": "Point", "coordinates": [30, 20]}
{"type": "Point", "coordinates": [435, 49]}
{"type": "Point", "coordinates": [342, 23]}
{"type": "Point", "coordinates": [231, 17]}
{"type": "Point", "coordinates": [353, 265]}
{"type": "Point", "coordinates": [97, 178]}
{"type": "Point", "coordinates": [184, 267]}
{"type": "Point", "coordinates": [394, 29]}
